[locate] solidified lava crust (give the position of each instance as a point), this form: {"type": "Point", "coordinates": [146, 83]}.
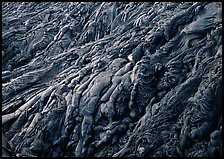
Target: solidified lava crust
{"type": "Point", "coordinates": [112, 79]}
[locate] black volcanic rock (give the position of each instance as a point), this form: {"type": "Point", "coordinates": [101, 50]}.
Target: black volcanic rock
{"type": "Point", "coordinates": [104, 79]}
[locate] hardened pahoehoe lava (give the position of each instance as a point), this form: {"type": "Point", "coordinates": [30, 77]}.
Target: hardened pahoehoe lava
{"type": "Point", "coordinates": [102, 79]}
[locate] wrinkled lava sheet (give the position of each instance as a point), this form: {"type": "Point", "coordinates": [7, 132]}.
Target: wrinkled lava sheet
{"type": "Point", "coordinates": [113, 79]}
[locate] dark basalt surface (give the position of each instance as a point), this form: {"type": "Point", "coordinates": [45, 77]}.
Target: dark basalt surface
{"type": "Point", "coordinates": [111, 79]}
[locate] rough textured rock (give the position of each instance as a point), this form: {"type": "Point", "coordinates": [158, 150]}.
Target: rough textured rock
{"type": "Point", "coordinates": [112, 79]}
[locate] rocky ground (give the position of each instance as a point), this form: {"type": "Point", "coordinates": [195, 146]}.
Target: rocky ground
{"type": "Point", "coordinates": [111, 79]}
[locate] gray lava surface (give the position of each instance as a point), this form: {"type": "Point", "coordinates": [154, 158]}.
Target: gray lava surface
{"type": "Point", "coordinates": [121, 79]}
